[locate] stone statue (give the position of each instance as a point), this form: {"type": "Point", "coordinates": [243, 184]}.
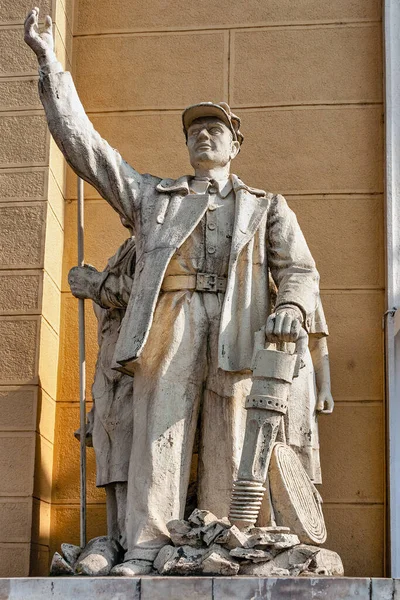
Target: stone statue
{"type": "Point", "coordinates": [206, 246]}
{"type": "Point", "coordinates": [110, 420]}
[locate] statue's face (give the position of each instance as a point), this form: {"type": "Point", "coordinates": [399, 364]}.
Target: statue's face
{"type": "Point", "coordinates": [210, 143]}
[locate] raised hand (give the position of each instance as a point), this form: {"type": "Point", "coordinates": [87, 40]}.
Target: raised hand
{"type": "Point", "coordinates": [41, 43]}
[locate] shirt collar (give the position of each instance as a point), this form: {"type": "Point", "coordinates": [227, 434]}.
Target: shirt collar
{"type": "Point", "coordinates": [224, 187]}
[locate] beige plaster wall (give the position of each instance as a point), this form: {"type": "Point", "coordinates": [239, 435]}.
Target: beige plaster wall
{"type": "Point", "coordinates": [32, 185]}
{"type": "Point", "coordinates": [306, 78]}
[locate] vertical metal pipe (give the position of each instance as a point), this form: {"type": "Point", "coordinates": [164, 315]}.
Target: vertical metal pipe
{"type": "Point", "coordinates": [82, 371]}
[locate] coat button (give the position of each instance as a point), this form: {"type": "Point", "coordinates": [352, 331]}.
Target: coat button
{"type": "Point", "coordinates": [211, 226]}
{"type": "Point", "coordinates": [211, 250]}
{"type": "Point", "coordinates": [160, 219]}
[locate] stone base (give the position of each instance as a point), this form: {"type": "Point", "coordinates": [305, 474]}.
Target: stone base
{"type": "Point", "coordinates": [198, 588]}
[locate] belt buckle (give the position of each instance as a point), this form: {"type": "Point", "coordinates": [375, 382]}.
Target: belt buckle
{"type": "Point", "coordinates": [206, 282]}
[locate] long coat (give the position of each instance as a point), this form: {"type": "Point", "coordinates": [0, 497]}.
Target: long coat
{"type": "Point", "coordinates": [163, 214]}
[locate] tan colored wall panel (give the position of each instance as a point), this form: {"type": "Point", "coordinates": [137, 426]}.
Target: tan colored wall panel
{"type": "Point", "coordinates": [24, 139]}
{"type": "Point", "coordinates": [355, 344]}
{"type": "Point", "coordinates": [313, 150]}
{"type": "Point", "coordinates": [20, 292]}
{"type": "Point", "coordinates": [18, 405]}
{"type": "Point", "coordinates": [15, 519]}
{"type": "Point", "coordinates": [43, 469]}
{"type": "Point", "coordinates": [66, 459]}
{"type": "Point", "coordinates": [307, 65]}
{"type": "Point", "coordinates": [48, 359]}
{"type": "Point", "coordinates": [57, 164]}
{"type": "Point", "coordinates": [101, 223]}
{"type": "Point", "coordinates": [22, 184]}
{"type": "Point", "coordinates": [18, 350]}
{"type": "Point", "coordinates": [69, 365]}
{"type": "Point", "coordinates": [17, 455]}
{"type": "Point", "coordinates": [51, 302]}
{"type": "Point", "coordinates": [351, 254]}
{"type": "Point", "coordinates": [159, 62]}
{"type": "Point", "coordinates": [53, 250]}
{"type": "Point", "coordinates": [22, 235]}
{"type": "Point", "coordinates": [56, 199]}
{"type": "Point", "coordinates": [40, 561]}
{"type": "Point", "coordinates": [46, 416]}
{"type": "Point", "coordinates": [65, 524]}
{"type": "Point", "coordinates": [94, 15]}
{"type": "Point", "coordinates": [353, 453]}
{"type": "Point", "coordinates": [19, 94]}
{"type": "Point", "coordinates": [17, 57]}
{"type": "Point", "coordinates": [14, 560]}
{"type": "Point", "coordinates": [357, 534]}
{"type": "Point", "coordinates": [15, 11]}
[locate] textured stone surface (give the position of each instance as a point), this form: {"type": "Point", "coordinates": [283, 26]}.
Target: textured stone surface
{"type": "Point", "coordinates": [17, 59]}
{"type": "Point", "coordinates": [99, 557]}
{"type": "Point", "coordinates": [59, 567]}
{"type": "Point", "coordinates": [13, 11]}
{"type": "Point", "coordinates": [16, 130]}
{"type": "Point", "coordinates": [15, 519]}
{"type": "Point", "coordinates": [93, 16]}
{"type": "Point", "coordinates": [18, 408]}
{"type": "Point", "coordinates": [17, 452]}
{"type": "Point", "coordinates": [346, 65]}
{"type": "Point", "coordinates": [20, 292]}
{"type": "Point", "coordinates": [350, 478]}
{"type": "Point", "coordinates": [43, 469]}
{"type": "Point", "coordinates": [22, 184]}
{"type": "Point", "coordinates": [24, 225]}
{"type": "Point", "coordinates": [177, 84]}
{"type": "Point", "coordinates": [355, 343]}
{"type": "Point", "coordinates": [48, 359]}
{"type": "Point", "coordinates": [14, 562]}
{"type": "Point", "coordinates": [18, 350]}
{"type": "Point", "coordinates": [352, 254]}
{"type": "Point", "coordinates": [195, 588]}
{"type": "Point", "coordinates": [65, 522]}
{"type": "Point", "coordinates": [253, 588]}
{"type": "Point", "coordinates": [41, 516]}
{"type": "Point", "coordinates": [19, 94]}
{"type": "Point", "coordinates": [383, 589]}
{"type": "Point", "coordinates": [47, 416]}
{"type": "Point", "coordinates": [70, 553]}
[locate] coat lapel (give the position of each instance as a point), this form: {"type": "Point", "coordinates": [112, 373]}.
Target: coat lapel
{"type": "Point", "coordinates": [251, 205]}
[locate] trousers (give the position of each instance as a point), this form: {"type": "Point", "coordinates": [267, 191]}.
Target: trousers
{"type": "Point", "coordinates": [177, 379]}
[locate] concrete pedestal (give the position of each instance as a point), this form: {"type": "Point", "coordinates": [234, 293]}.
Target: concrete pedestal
{"type": "Point", "coordinates": [198, 588]}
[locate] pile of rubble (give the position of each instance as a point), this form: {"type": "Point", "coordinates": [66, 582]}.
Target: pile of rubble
{"type": "Point", "coordinates": [97, 559]}
{"type": "Point", "coordinates": [206, 545]}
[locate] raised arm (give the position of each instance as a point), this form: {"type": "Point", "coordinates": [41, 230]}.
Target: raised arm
{"type": "Point", "coordinates": [91, 157]}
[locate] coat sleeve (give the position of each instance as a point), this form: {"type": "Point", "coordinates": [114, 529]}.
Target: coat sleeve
{"type": "Point", "coordinates": [291, 264]}
{"type": "Point", "coordinates": [91, 157]}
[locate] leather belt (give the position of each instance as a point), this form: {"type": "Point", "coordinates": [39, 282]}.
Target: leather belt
{"type": "Point", "coordinates": [202, 282]}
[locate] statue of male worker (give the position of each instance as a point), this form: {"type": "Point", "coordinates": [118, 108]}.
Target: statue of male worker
{"type": "Point", "coordinates": [205, 245]}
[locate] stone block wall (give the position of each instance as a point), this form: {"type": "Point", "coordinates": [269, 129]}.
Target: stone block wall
{"type": "Point", "coordinates": [31, 243]}
{"type": "Point", "coordinates": [306, 79]}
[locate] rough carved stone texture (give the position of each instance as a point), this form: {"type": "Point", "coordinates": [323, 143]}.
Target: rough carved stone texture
{"type": "Point", "coordinates": [359, 263]}
{"type": "Point", "coordinates": [181, 82]}
{"type": "Point", "coordinates": [16, 57]}
{"type": "Point", "coordinates": [16, 130]}
{"type": "Point", "coordinates": [13, 11]}
{"type": "Point", "coordinates": [346, 65]}
{"type": "Point", "coordinates": [23, 414]}
{"type": "Point", "coordinates": [22, 185]}
{"type": "Point", "coordinates": [355, 343]}
{"type": "Point", "coordinates": [65, 523]}
{"type": "Point", "coordinates": [18, 349]}
{"type": "Point", "coordinates": [93, 15]}
{"type": "Point", "coordinates": [19, 93]}
{"type": "Point", "coordinates": [24, 225]}
{"type": "Point", "coordinates": [17, 451]}
{"type": "Point", "coordinates": [350, 478]}
{"type": "Point", "coordinates": [14, 558]}
{"type": "Point", "coordinates": [15, 519]}
{"type": "Point", "coordinates": [20, 292]}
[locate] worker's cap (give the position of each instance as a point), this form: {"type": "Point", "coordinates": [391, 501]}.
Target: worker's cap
{"type": "Point", "coordinates": [221, 111]}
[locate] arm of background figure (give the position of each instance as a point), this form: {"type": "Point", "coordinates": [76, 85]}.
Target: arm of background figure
{"type": "Point", "coordinates": [290, 261]}
{"type": "Point", "coordinates": [115, 291]}
{"type": "Point", "coordinates": [320, 358]}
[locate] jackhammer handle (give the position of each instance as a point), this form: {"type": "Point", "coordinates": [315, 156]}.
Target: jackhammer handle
{"type": "Point", "coordinates": [260, 342]}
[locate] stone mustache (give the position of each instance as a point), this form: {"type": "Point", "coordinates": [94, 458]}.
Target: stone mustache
{"type": "Point", "coordinates": [212, 262]}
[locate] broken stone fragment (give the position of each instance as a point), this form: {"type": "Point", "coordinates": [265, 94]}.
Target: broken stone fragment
{"type": "Point", "coordinates": [326, 563]}
{"type": "Point", "coordinates": [202, 517]}
{"type": "Point", "coordinates": [184, 560]}
{"type": "Point", "coordinates": [232, 538]}
{"type": "Point", "coordinates": [70, 553]}
{"type": "Point", "coordinates": [182, 534]}
{"type": "Point", "coordinates": [252, 554]}
{"type": "Point", "coordinates": [266, 569]}
{"type": "Point", "coordinates": [280, 541]}
{"type": "Point", "coordinates": [217, 561]}
{"type": "Point", "coordinates": [99, 556]}
{"type": "Point", "coordinates": [59, 566]}
{"type": "Point", "coordinates": [212, 531]}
